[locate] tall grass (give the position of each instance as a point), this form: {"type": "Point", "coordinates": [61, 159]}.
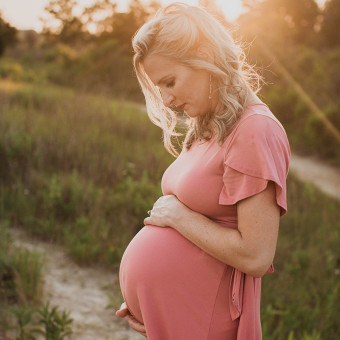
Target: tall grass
{"type": "Point", "coordinates": [20, 272]}
{"type": "Point", "coordinates": [78, 169]}
{"type": "Point", "coordinates": [83, 170]}
{"type": "Point", "coordinates": [21, 312]}
{"type": "Point", "coordinates": [302, 297]}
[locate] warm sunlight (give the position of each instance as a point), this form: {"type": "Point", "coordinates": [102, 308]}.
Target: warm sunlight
{"type": "Point", "coordinates": [29, 13]}
{"type": "Point", "coordinates": [104, 230]}
{"type": "Point", "coordinates": [231, 9]}
{"type": "Point", "coordinates": [28, 17]}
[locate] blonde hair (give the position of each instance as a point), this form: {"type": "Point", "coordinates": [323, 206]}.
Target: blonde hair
{"type": "Point", "coordinates": [177, 32]}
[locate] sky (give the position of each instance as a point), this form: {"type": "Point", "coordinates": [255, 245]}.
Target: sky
{"type": "Point", "coordinates": [25, 14]}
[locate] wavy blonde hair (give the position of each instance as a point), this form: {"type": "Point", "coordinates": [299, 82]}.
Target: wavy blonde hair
{"type": "Point", "coordinates": [178, 31]}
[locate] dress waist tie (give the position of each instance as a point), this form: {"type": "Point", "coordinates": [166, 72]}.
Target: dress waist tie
{"type": "Point", "coordinates": [245, 297]}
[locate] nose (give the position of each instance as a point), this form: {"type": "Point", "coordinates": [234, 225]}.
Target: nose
{"type": "Point", "coordinates": [168, 98]}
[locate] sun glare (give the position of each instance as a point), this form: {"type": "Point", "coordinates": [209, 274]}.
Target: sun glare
{"type": "Point", "coordinates": [29, 16]}
{"type": "Point", "coordinates": [30, 11]}
{"type": "Point", "coordinates": [231, 9]}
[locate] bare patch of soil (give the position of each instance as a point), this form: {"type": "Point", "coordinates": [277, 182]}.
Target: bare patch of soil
{"type": "Point", "coordinates": [84, 292]}
{"type": "Point", "coordinates": [320, 174]}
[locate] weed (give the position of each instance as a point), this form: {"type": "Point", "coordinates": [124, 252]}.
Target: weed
{"type": "Point", "coordinates": [56, 326]}
{"type": "Point", "coordinates": [24, 324]}
{"type": "Point", "coordinates": [28, 265]}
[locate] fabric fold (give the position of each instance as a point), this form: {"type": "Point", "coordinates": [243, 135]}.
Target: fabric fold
{"type": "Point", "coordinates": [257, 153]}
{"type": "Point", "coordinates": [244, 303]}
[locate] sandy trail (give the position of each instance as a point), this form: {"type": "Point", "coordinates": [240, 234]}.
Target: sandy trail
{"type": "Point", "coordinates": [322, 175]}
{"type": "Point", "coordinates": [82, 291]}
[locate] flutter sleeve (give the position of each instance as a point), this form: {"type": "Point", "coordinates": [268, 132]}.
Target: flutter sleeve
{"type": "Point", "coordinates": [258, 152]}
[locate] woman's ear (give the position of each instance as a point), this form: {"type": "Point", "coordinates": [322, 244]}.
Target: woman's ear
{"type": "Point", "coordinates": [206, 53]}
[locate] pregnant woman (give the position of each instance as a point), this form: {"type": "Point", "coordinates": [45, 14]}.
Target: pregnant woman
{"type": "Point", "coordinates": [194, 271]}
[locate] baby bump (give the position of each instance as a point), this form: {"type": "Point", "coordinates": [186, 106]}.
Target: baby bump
{"type": "Point", "coordinates": [159, 261]}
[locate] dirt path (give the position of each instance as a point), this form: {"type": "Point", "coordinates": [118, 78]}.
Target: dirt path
{"type": "Point", "coordinates": [82, 291]}
{"type": "Point", "coordinates": [322, 175]}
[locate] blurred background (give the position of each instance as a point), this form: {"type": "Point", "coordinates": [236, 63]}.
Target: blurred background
{"type": "Point", "coordinates": [80, 163]}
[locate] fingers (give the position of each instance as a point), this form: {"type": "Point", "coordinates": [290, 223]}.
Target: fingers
{"type": "Point", "coordinates": [123, 311]}
{"type": "Point", "coordinates": [136, 325]}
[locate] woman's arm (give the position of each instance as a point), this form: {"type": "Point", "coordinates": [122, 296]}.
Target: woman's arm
{"type": "Point", "coordinates": [250, 249]}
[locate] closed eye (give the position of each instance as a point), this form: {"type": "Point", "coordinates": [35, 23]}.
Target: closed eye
{"type": "Point", "coordinates": [170, 83]}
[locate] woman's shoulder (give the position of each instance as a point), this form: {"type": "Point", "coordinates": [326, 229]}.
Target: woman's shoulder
{"type": "Point", "coordinates": [259, 114]}
{"type": "Point", "coordinates": [257, 121]}
{"type": "Point", "coordinates": [258, 150]}
{"type": "Point", "coordinates": [257, 132]}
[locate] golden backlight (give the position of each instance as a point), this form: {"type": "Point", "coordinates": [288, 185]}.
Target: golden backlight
{"type": "Point", "coordinates": [25, 14]}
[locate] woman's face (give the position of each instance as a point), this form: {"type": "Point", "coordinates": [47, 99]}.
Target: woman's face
{"type": "Point", "coordinates": [186, 88]}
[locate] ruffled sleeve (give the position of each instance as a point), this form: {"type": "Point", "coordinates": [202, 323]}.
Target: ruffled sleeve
{"type": "Point", "coordinates": [258, 152]}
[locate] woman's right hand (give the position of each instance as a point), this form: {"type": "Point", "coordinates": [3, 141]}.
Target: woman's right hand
{"type": "Point", "coordinates": [124, 313]}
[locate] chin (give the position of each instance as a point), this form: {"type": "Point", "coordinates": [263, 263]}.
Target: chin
{"type": "Point", "coordinates": [192, 114]}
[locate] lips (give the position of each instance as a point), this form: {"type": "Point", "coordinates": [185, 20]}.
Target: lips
{"type": "Point", "coordinates": [181, 107]}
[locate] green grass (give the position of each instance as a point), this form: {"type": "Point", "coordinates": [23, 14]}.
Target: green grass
{"type": "Point", "coordinates": [77, 169]}
{"type": "Point", "coordinates": [302, 297]}
{"type": "Point", "coordinates": [22, 315]}
{"type": "Point", "coordinates": [20, 272]}
{"type": "Point", "coordinates": [83, 170]}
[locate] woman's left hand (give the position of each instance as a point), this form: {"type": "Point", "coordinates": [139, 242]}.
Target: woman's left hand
{"type": "Point", "coordinates": [124, 313]}
{"type": "Point", "coordinates": [166, 211]}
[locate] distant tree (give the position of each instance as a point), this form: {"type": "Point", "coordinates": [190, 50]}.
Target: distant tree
{"type": "Point", "coordinates": [97, 18]}
{"type": "Point", "coordinates": [31, 38]}
{"type": "Point", "coordinates": [62, 23]}
{"type": "Point", "coordinates": [125, 24]}
{"type": "Point", "coordinates": [279, 21]}
{"type": "Point", "coordinates": [101, 20]}
{"type": "Point", "coordinates": [121, 26]}
{"type": "Point", "coordinates": [8, 35]}
{"type": "Point", "coordinates": [330, 29]}
{"type": "Point", "coordinates": [303, 16]}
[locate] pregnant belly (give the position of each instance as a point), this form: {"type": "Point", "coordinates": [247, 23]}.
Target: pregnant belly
{"type": "Point", "coordinates": [160, 264]}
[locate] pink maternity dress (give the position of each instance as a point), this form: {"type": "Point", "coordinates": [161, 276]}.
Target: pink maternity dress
{"type": "Point", "coordinates": [176, 289]}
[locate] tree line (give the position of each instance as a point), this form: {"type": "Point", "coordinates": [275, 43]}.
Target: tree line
{"type": "Point", "coordinates": [91, 50]}
{"type": "Point", "coordinates": [290, 21]}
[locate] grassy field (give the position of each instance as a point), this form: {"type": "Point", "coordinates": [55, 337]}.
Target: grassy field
{"type": "Point", "coordinates": [301, 300]}
{"type": "Point", "coordinates": [76, 170]}
{"type": "Point", "coordinates": [82, 170]}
